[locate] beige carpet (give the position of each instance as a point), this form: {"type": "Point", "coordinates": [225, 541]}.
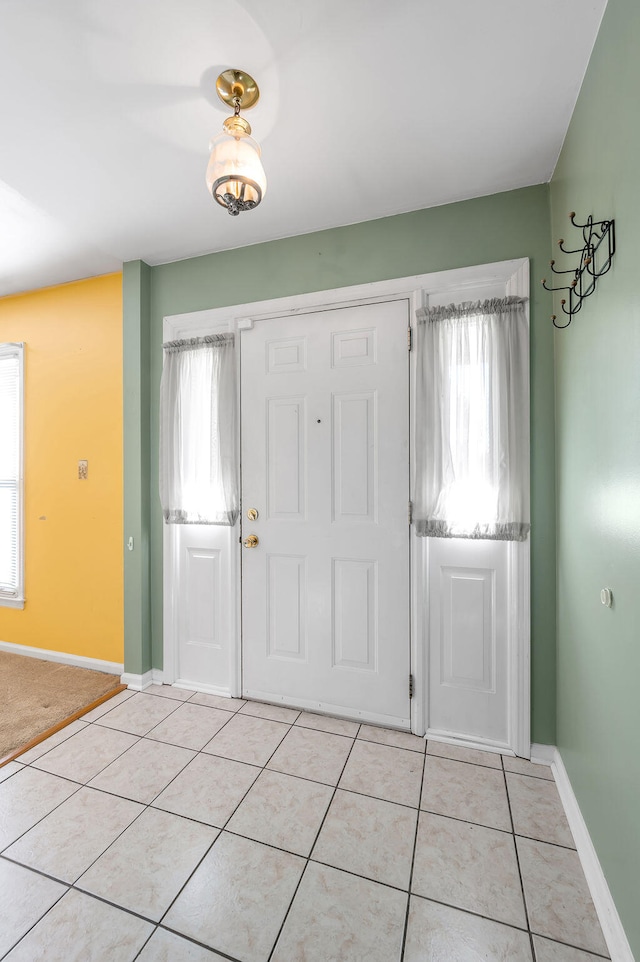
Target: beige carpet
{"type": "Point", "coordinates": [37, 695]}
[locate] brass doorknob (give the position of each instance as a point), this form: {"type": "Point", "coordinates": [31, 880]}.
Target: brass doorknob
{"type": "Point", "coordinates": [251, 541]}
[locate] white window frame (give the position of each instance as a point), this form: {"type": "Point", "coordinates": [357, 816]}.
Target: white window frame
{"type": "Point", "coordinates": [15, 599]}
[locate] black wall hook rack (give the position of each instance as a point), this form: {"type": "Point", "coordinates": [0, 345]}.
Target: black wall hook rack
{"type": "Point", "coordinates": [590, 268]}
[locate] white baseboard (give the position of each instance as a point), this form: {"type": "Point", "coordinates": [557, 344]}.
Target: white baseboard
{"type": "Point", "coordinates": [543, 754]}
{"type": "Point", "coordinates": [619, 948]}
{"type": "Point", "coordinates": [140, 682]}
{"type": "Point", "coordinates": [77, 661]}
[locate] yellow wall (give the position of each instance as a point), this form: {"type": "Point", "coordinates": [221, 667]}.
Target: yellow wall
{"type": "Point", "coordinates": [73, 410]}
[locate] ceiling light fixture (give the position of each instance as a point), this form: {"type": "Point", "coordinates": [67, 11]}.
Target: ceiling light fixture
{"type": "Point", "coordinates": [235, 175]}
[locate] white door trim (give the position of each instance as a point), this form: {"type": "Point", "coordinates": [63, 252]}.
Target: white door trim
{"type": "Point", "coordinates": [514, 274]}
{"type": "Point", "coordinates": [518, 285]}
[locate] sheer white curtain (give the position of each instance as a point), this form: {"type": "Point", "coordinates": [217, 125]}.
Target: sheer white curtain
{"type": "Point", "coordinates": [472, 421]}
{"type": "Point", "coordinates": [198, 457]}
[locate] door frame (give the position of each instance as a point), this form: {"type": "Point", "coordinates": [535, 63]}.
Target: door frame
{"type": "Point", "coordinates": [416, 289]}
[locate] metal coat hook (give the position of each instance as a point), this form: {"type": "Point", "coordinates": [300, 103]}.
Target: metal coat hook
{"type": "Point", "coordinates": [590, 267]}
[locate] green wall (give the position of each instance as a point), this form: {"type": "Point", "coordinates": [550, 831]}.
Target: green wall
{"type": "Point", "coordinates": [500, 227]}
{"type": "Point", "coordinates": [598, 467]}
{"type": "Point", "coordinates": [137, 466]}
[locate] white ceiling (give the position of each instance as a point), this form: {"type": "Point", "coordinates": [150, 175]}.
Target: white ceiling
{"type": "Point", "coordinates": [368, 108]}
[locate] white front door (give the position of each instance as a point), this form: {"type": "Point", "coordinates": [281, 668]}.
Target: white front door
{"type": "Point", "coordinates": [325, 464]}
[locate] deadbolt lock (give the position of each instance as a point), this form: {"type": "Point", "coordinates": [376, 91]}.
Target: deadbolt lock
{"type": "Point", "coordinates": [252, 514]}
{"type": "Point", "coordinates": [251, 541]}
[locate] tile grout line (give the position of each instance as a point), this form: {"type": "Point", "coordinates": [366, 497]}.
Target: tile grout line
{"type": "Point", "coordinates": [464, 761]}
{"type": "Point", "coordinates": [517, 854]}
{"type": "Point", "coordinates": [22, 834]}
{"type": "Point", "coordinates": [145, 805]}
{"type": "Point", "coordinates": [542, 842]}
{"type": "Point", "coordinates": [69, 888]}
{"type": "Point", "coordinates": [222, 829]}
{"type": "Point", "coordinates": [296, 723]}
{"type": "Point", "coordinates": [115, 905]}
{"type": "Point", "coordinates": [151, 804]}
{"type": "Point", "coordinates": [305, 778]}
{"type": "Point", "coordinates": [73, 887]}
{"type": "Point", "coordinates": [476, 915]}
{"type": "Point", "coordinates": [38, 920]}
{"type": "Point", "coordinates": [156, 741]}
{"type": "Point", "coordinates": [145, 944]}
{"type": "Point", "coordinates": [187, 880]}
{"type": "Point", "coordinates": [201, 751]}
{"type": "Point", "coordinates": [539, 778]}
{"type": "Point", "coordinates": [127, 701]}
{"type": "Point", "coordinates": [495, 768]}
{"type": "Point", "coordinates": [510, 925]}
{"type": "Point", "coordinates": [413, 859]}
{"type": "Point", "coordinates": [136, 735]}
{"type": "Point", "coordinates": [365, 878]}
{"type": "Point", "coordinates": [148, 805]}
{"type": "Point", "coordinates": [192, 941]}
{"type": "Point", "coordinates": [263, 768]}
{"type": "Point", "coordinates": [570, 945]}
{"type": "Point", "coordinates": [63, 778]}
{"type": "Point", "coordinates": [69, 735]}
{"type": "Point", "coordinates": [290, 726]}
{"type": "Point", "coordinates": [313, 845]}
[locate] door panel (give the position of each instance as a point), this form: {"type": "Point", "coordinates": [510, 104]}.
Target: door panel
{"type": "Point", "coordinates": [286, 474]}
{"type": "Point", "coordinates": [286, 592]}
{"type": "Point", "coordinates": [469, 641]}
{"type": "Point", "coordinates": [206, 610]}
{"type": "Point", "coordinates": [325, 461]}
{"type": "Point", "coordinates": [355, 614]}
{"type": "Point", "coordinates": [354, 447]}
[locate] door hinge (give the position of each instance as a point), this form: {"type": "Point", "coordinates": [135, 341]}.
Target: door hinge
{"type": "Point", "coordinates": [410, 686]}
{"type": "Point", "coordinates": [410, 512]}
{"type": "Point", "coordinates": [409, 338]}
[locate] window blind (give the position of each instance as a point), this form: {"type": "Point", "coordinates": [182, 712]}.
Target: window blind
{"type": "Point", "coordinates": [10, 472]}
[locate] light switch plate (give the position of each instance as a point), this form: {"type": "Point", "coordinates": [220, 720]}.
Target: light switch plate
{"type": "Point", "coordinates": [83, 470]}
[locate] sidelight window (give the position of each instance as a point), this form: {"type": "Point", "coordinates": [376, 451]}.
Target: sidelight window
{"type": "Point", "coordinates": [472, 420]}
{"type": "Point", "coordinates": [11, 479]}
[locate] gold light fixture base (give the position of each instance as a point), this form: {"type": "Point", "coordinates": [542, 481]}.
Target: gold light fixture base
{"type": "Point", "coordinates": [236, 86]}
{"type": "Point", "coordinates": [237, 126]}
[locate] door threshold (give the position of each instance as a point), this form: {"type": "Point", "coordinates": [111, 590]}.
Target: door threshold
{"type": "Point", "coordinates": [325, 708]}
{"type": "Point", "coordinates": [482, 746]}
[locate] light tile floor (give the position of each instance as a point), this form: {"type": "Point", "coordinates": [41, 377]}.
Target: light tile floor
{"type": "Point", "coordinates": [168, 826]}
